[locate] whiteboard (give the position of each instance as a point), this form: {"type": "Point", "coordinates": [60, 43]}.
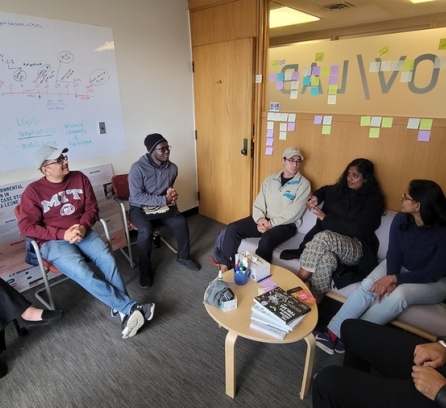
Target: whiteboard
{"type": "Point", "coordinates": [58, 83]}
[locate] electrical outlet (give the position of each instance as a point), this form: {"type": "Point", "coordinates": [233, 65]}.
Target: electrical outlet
{"type": "Point", "coordinates": [102, 128]}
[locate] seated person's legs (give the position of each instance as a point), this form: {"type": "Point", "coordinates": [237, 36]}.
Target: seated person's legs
{"type": "Point", "coordinates": [181, 229]}
{"type": "Point", "coordinates": [272, 238]}
{"type": "Point", "coordinates": [235, 232]}
{"type": "Point", "coordinates": [143, 245]}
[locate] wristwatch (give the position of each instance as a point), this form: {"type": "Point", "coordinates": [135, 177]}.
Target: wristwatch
{"type": "Point", "coordinates": [442, 340]}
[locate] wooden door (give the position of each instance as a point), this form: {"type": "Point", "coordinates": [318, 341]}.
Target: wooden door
{"type": "Point", "coordinates": [223, 87]}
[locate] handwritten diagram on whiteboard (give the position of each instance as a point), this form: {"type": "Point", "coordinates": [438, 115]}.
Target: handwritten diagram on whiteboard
{"type": "Point", "coordinates": [58, 87]}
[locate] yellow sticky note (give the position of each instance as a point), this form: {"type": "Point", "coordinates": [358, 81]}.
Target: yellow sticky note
{"type": "Point", "coordinates": [326, 130]}
{"type": "Point", "coordinates": [365, 120]}
{"type": "Point", "coordinates": [315, 81]}
{"type": "Point", "coordinates": [387, 122]}
{"type": "Point", "coordinates": [407, 65]}
{"type": "Point", "coordinates": [325, 71]}
{"type": "Point", "coordinates": [276, 64]}
{"type": "Point", "coordinates": [383, 50]}
{"type": "Point", "coordinates": [332, 89]}
{"type": "Point", "coordinates": [426, 124]}
{"type": "Point", "coordinates": [374, 133]}
{"type": "Point", "coordinates": [319, 57]}
{"type": "Point", "coordinates": [442, 45]}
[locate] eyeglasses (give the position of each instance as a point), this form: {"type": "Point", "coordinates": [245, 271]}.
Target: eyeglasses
{"type": "Point", "coordinates": [292, 161]}
{"type": "Point", "coordinates": [164, 149]}
{"type": "Point", "coordinates": [405, 198]}
{"type": "Point", "coordinates": [59, 160]}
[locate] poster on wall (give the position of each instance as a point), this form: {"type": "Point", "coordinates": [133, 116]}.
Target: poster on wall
{"type": "Point", "coordinates": [58, 87]}
{"type": "Point", "coordinates": [13, 268]}
{"type": "Point", "coordinates": [401, 74]}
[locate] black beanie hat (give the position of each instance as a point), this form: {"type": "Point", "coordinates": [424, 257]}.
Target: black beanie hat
{"type": "Point", "coordinates": [153, 140]}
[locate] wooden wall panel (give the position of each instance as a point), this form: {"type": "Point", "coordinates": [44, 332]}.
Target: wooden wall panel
{"type": "Point", "coordinates": [197, 4]}
{"type": "Point", "coordinates": [225, 22]}
{"type": "Point", "coordinates": [397, 155]}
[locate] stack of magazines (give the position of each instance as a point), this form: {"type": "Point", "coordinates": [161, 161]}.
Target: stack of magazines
{"type": "Point", "coordinates": [277, 313]}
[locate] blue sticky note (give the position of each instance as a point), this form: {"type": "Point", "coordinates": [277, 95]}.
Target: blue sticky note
{"type": "Point", "coordinates": [314, 91]}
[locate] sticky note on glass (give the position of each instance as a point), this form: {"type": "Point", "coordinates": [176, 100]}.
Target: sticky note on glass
{"type": "Point", "coordinates": [387, 122]}
{"type": "Point", "coordinates": [279, 85]}
{"type": "Point", "coordinates": [406, 76]}
{"type": "Point", "coordinates": [374, 133]}
{"type": "Point", "coordinates": [269, 151]}
{"type": "Point", "coordinates": [282, 135]}
{"type": "Point", "coordinates": [396, 65]}
{"type": "Point", "coordinates": [375, 121]}
{"type": "Point", "coordinates": [385, 66]}
{"type": "Point", "coordinates": [291, 117]}
{"type": "Point", "coordinates": [291, 126]}
{"type": "Point", "coordinates": [325, 71]}
{"type": "Point", "coordinates": [413, 123]}
{"type": "Point", "coordinates": [277, 116]}
{"type": "Point", "coordinates": [270, 125]}
{"type": "Point", "coordinates": [424, 135]}
{"type": "Point", "coordinates": [334, 70]}
{"type": "Point", "coordinates": [294, 84]}
{"type": "Point", "coordinates": [270, 133]}
{"type": "Point", "coordinates": [307, 71]}
{"type": "Point", "coordinates": [269, 141]}
{"type": "Point", "coordinates": [295, 75]}
{"type": "Point", "coordinates": [293, 95]}
{"type": "Point", "coordinates": [333, 80]}
{"type": "Point", "coordinates": [374, 66]}
{"type": "Point", "coordinates": [280, 76]}
{"type": "Point", "coordinates": [365, 120]}
{"type": "Point", "coordinates": [314, 91]}
{"type": "Point", "coordinates": [327, 120]}
{"type": "Point", "coordinates": [319, 57]}
{"type": "Point", "coordinates": [307, 81]}
{"type": "Point", "coordinates": [383, 50]}
{"type": "Point", "coordinates": [426, 124]}
{"type": "Point", "coordinates": [284, 117]}
{"type": "Point", "coordinates": [442, 44]}
{"type": "Point", "coordinates": [332, 89]}
{"type": "Point", "coordinates": [272, 77]}
{"type": "Point", "coordinates": [316, 70]}
{"type": "Point", "coordinates": [270, 115]}
{"type": "Point", "coordinates": [407, 65]}
{"type": "Point", "coordinates": [326, 130]}
{"type": "Point", "coordinates": [288, 75]}
{"type": "Point", "coordinates": [318, 119]}
{"type": "Point", "coordinates": [315, 81]}
{"type": "Point", "coordinates": [283, 127]}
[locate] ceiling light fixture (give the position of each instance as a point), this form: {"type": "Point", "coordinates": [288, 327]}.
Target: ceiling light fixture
{"type": "Point", "coordinates": [285, 16]}
{"type": "Point", "coordinates": [420, 1]}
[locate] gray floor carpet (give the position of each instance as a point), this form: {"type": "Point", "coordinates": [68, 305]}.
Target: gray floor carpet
{"type": "Point", "coordinates": [176, 360]}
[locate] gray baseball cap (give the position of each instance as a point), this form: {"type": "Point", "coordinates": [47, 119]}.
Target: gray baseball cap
{"type": "Point", "coordinates": [47, 153]}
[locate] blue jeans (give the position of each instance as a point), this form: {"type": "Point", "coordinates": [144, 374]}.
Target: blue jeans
{"type": "Point", "coordinates": [362, 303]}
{"type": "Point", "coordinates": [70, 260]}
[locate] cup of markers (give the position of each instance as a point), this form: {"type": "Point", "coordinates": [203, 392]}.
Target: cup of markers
{"type": "Point", "coordinates": [241, 274]}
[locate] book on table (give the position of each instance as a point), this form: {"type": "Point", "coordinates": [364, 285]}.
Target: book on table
{"type": "Point", "coordinates": [261, 315]}
{"type": "Point", "coordinates": [268, 329]}
{"type": "Point", "coordinates": [282, 306]}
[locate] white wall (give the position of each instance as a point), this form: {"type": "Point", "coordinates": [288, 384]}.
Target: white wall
{"type": "Point", "coordinates": [153, 58]}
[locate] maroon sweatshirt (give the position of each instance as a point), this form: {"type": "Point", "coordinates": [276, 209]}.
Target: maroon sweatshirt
{"type": "Point", "coordinates": [48, 209]}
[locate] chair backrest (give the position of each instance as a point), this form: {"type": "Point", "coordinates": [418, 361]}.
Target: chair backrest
{"type": "Point", "coordinates": [120, 186]}
{"type": "Point", "coordinates": [17, 211]}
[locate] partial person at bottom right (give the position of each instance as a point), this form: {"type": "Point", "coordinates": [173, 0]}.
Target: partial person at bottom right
{"type": "Point", "coordinates": [413, 273]}
{"type": "Point", "coordinates": [383, 367]}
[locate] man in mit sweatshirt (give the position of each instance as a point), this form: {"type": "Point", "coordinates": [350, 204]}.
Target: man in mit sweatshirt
{"type": "Point", "coordinates": [59, 211]}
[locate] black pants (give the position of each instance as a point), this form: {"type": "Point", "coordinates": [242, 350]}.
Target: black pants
{"type": "Point", "coordinates": [247, 228]}
{"type": "Point", "coordinates": [12, 305]}
{"type": "Point", "coordinates": [389, 352]}
{"type": "Point", "coordinates": [145, 234]}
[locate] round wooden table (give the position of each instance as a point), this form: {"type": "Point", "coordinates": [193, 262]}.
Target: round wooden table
{"type": "Point", "coordinates": [237, 323]}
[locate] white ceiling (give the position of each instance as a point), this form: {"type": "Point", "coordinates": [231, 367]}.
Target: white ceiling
{"type": "Point", "coordinates": [356, 12]}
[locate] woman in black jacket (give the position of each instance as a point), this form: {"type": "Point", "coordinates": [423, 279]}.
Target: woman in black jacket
{"type": "Point", "coordinates": [343, 239]}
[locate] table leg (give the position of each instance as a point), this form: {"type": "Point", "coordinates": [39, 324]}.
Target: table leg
{"type": "Point", "coordinates": [231, 338]}
{"type": "Point", "coordinates": [311, 347]}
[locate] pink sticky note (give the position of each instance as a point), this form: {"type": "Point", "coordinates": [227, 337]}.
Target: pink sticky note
{"type": "Point", "coordinates": [269, 151]}
{"type": "Point", "coordinates": [424, 135]}
{"type": "Point", "coordinates": [270, 133]}
{"type": "Point", "coordinates": [269, 141]}
{"type": "Point", "coordinates": [279, 85]}
{"type": "Point", "coordinates": [318, 119]}
{"type": "Point", "coordinates": [333, 80]}
{"type": "Point", "coordinates": [272, 77]}
{"type": "Point", "coordinates": [291, 127]}
{"type": "Point", "coordinates": [334, 70]}
{"type": "Point", "coordinates": [295, 76]}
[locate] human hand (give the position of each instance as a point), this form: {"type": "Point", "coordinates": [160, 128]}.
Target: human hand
{"type": "Point", "coordinates": [311, 202]}
{"type": "Point", "coordinates": [430, 355]}
{"type": "Point", "coordinates": [383, 286]}
{"type": "Point", "coordinates": [427, 380]}
{"type": "Point", "coordinates": [318, 212]}
{"type": "Point", "coordinates": [171, 195]}
{"type": "Point", "coordinates": [73, 234]}
{"type": "Point", "coordinates": [263, 225]}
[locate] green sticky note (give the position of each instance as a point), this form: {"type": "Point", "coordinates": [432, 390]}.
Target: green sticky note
{"type": "Point", "coordinates": [326, 130]}
{"type": "Point", "coordinates": [315, 81]}
{"type": "Point", "coordinates": [374, 133]}
{"type": "Point", "coordinates": [276, 64]}
{"type": "Point", "coordinates": [332, 89]}
{"type": "Point", "coordinates": [325, 71]}
{"type": "Point", "coordinates": [426, 124]}
{"type": "Point", "coordinates": [319, 57]}
{"type": "Point", "coordinates": [387, 122]}
{"type": "Point", "coordinates": [442, 45]}
{"type": "Point", "coordinates": [407, 65]}
{"type": "Point", "coordinates": [383, 50]}
{"type": "Point", "coordinates": [365, 120]}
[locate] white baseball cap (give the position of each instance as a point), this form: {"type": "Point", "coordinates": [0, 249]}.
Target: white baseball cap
{"type": "Point", "coordinates": [47, 153]}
